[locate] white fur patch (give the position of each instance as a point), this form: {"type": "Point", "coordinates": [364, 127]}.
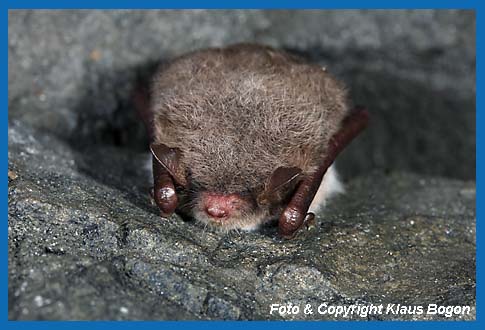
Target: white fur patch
{"type": "Point", "coordinates": [330, 186]}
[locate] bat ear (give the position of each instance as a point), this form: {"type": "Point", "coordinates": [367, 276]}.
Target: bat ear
{"type": "Point", "coordinates": [169, 158]}
{"type": "Point", "coordinates": [281, 178]}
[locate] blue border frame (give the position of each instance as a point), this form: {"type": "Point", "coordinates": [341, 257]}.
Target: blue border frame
{"type": "Point", "coordinates": [5, 5]}
{"type": "Point", "coordinates": [248, 4]}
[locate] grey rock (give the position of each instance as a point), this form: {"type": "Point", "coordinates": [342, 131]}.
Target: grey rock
{"type": "Point", "coordinates": [87, 244]}
{"type": "Point", "coordinates": [71, 72]}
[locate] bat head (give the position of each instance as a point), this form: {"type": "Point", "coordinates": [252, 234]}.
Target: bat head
{"type": "Point", "coordinates": [243, 209]}
{"type": "Point", "coordinates": [249, 122]}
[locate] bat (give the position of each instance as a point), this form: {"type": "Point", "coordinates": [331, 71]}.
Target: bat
{"type": "Point", "coordinates": [244, 135]}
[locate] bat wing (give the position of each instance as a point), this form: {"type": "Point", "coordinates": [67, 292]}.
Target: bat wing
{"type": "Point", "coordinates": [294, 215]}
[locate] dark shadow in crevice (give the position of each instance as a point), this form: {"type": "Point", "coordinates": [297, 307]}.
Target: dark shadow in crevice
{"type": "Point", "coordinates": [106, 112]}
{"type": "Point", "coordinates": [414, 127]}
{"type": "Point", "coordinates": [110, 141]}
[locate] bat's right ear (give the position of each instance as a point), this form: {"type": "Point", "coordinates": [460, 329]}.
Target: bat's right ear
{"type": "Point", "coordinates": [170, 159]}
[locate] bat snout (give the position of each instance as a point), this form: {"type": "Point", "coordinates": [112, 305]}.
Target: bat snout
{"type": "Point", "coordinates": [216, 212]}
{"type": "Point", "coordinates": [221, 207]}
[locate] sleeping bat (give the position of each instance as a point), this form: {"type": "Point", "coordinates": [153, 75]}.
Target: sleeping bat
{"type": "Point", "coordinates": [245, 134]}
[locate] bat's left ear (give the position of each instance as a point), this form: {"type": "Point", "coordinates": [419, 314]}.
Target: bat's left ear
{"type": "Point", "coordinates": [170, 159]}
{"type": "Point", "coordinates": [280, 179]}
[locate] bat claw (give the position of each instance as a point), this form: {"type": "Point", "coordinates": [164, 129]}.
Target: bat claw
{"type": "Point", "coordinates": [164, 215]}
{"type": "Point", "coordinates": [310, 221]}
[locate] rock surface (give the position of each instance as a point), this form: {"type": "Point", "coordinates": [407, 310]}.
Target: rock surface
{"type": "Point", "coordinates": [85, 242]}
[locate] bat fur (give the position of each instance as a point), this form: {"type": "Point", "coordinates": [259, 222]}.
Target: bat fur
{"type": "Point", "coordinates": [238, 113]}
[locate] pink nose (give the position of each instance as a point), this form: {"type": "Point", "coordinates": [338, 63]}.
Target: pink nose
{"type": "Point", "coordinates": [221, 206]}
{"type": "Point", "coordinates": [216, 212]}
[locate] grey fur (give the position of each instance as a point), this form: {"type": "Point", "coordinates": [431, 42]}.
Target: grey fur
{"type": "Point", "coordinates": [238, 113]}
